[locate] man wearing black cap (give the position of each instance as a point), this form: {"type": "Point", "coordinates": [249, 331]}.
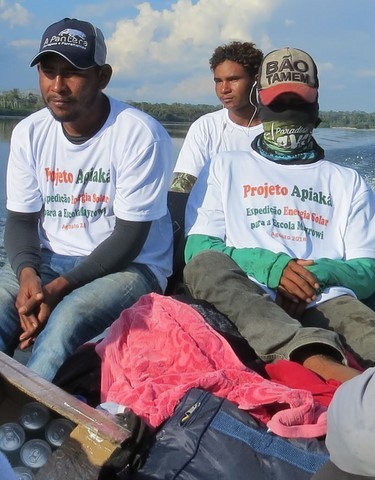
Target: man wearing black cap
{"type": "Point", "coordinates": [283, 242]}
{"type": "Point", "coordinates": [88, 230]}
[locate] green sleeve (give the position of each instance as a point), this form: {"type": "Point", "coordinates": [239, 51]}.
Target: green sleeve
{"type": "Point", "coordinates": [357, 274]}
{"type": "Point", "coordinates": [263, 265]}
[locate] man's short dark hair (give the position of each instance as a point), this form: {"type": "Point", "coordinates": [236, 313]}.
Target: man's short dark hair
{"type": "Point", "coordinates": [244, 53]}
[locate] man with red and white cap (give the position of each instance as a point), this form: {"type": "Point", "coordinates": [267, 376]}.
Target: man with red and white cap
{"type": "Point", "coordinates": [283, 241]}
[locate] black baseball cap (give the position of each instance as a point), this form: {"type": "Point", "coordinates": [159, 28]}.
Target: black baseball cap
{"type": "Point", "coordinates": [79, 42]}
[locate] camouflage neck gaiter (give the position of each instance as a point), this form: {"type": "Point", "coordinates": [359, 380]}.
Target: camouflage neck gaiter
{"type": "Point", "coordinates": [289, 131]}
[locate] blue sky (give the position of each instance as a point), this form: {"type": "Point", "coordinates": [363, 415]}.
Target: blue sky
{"type": "Point", "coordinates": [160, 49]}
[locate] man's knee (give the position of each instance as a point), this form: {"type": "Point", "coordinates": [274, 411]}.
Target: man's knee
{"type": "Point", "coordinates": [197, 269]}
{"type": "Point", "coordinates": [208, 260]}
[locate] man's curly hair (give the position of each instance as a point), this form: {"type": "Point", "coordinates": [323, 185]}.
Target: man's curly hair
{"type": "Point", "coordinates": [244, 53]}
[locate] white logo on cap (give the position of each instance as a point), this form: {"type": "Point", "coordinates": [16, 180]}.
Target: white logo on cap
{"type": "Point", "coordinates": [73, 33]}
{"type": "Point", "coordinates": [69, 37]}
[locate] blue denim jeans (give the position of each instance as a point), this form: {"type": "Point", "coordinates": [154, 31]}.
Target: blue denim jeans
{"type": "Point", "coordinates": [79, 317]}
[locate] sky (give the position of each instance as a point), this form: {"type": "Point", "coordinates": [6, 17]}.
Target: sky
{"type": "Point", "coordinates": [159, 50]}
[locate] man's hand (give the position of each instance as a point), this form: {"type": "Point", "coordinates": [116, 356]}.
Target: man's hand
{"type": "Point", "coordinates": [36, 309]}
{"type": "Point", "coordinates": [297, 283]}
{"type": "Point", "coordinates": [28, 301]}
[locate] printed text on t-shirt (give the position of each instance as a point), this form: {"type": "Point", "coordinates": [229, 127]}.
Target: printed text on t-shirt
{"type": "Point", "coordinates": [62, 176]}
{"type": "Point", "coordinates": [303, 194]}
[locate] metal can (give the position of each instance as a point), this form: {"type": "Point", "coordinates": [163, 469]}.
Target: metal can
{"type": "Point", "coordinates": [12, 437]}
{"type": "Point", "coordinates": [34, 417]}
{"type": "Point", "coordinates": [34, 453]}
{"type": "Point", "coordinates": [23, 473]}
{"type": "Point", "coordinates": [58, 430]}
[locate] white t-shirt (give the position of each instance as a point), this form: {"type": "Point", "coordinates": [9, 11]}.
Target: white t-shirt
{"type": "Point", "coordinates": [311, 211]}
{"type": "Point", "coordinates": [123, 171]}
{"type": "Point", "coordinates": [210, 134]}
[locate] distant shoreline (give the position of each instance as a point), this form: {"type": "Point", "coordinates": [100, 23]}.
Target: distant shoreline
{"type": "Point", "coordinates": [16, 104]}
{"type": "Point", "coordinates": [10, 117]}
{"type": "Point", "coordinates": [186, 124]}
{"type": "Point", "coordinates": [352, 128]}
{"type": "Point", "coordinates": [183, 114]}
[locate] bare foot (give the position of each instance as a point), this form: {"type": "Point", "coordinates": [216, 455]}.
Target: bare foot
{"type": "Point", "coordinates": [329, 368]}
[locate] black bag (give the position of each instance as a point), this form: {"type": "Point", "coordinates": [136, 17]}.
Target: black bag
{"type": "Point", "coordinates": [210, 438]}
{"type": "Point", "coordinates": [126, 459]}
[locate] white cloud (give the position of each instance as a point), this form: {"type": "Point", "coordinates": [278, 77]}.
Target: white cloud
{"type": "Point", "coordinates": [289, 22]}
{"type": "Point", "coordinates": [193, 89]}
{"type": "Point", "coordinates": [14, 14]}
{"type": "Point", "coordinates": [178, 41]}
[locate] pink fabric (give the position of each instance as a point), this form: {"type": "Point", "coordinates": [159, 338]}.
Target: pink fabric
{"type": "Point", "coordinates": [160, 348]}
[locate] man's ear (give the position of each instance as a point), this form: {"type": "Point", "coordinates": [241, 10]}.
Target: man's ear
{"type": "Point", "coordinates": [105, 74]}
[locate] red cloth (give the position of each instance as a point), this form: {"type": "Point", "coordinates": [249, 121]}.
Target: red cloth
{"type": "Point", "coordinates": [352, 362]}
{"type": "Point", "coordinates": [160, 348]}
{"type": "Point", "coordinates": [294, 375]}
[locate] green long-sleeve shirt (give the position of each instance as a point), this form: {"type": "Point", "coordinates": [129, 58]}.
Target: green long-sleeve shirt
{"type": "Point", "coordinates": [267, 267]}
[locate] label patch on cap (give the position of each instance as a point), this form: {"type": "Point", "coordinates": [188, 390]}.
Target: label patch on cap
{"type": "Point", "coordinates": [287, 71]}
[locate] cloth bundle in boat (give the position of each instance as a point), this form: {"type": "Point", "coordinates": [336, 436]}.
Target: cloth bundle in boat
{"type": "Point", "coordinates": [210, 438]}
{"type": "Point", "coordinates": [158, 349]}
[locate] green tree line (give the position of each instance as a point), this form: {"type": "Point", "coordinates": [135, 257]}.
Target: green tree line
{"type": "Point", "coordinates": [17, 103]}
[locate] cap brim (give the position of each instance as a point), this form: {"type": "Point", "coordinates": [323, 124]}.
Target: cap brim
{"type": "Point", "coordinates": [307, 93]}
{"type": "Point", "coordinates": [40, 55]}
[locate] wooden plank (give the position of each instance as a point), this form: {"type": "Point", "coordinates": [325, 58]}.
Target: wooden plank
{"type": "Point", "coordinates": [61, 402]}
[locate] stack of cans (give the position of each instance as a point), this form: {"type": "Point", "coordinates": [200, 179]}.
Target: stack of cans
{"type": "Point", "coordinates": [12, 437]}
{"type": "Point", "coordinates": [29, 442]}
{"type": "Point", "coordinates": [23, 473]}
